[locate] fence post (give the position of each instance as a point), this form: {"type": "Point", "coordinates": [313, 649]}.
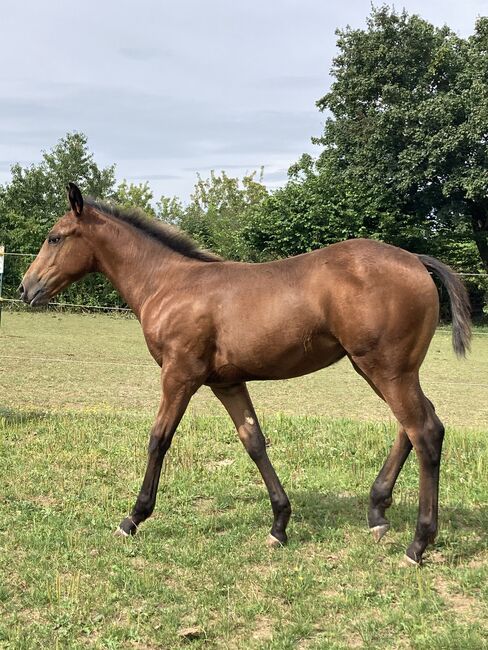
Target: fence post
{"type": "Point", "coordinates": [2, 257]}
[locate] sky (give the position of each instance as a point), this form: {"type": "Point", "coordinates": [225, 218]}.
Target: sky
{"type": "Point", "coordinates": [167, 90]}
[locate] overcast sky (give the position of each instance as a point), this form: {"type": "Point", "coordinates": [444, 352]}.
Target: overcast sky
{"type": "Point", "coordinates": [165, 90]}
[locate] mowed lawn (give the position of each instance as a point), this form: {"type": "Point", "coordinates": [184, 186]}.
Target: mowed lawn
{"type": "Point", "coordinates": [77, 394]}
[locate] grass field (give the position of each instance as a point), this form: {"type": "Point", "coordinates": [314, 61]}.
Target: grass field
{"type": "Point", "coordinates": [77, 394]}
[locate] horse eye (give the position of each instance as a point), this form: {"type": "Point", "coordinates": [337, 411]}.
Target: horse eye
{"type": "Point", "coordinates": [54, 239]}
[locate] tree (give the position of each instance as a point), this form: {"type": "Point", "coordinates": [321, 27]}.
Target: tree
{"type": "Point", "coordinates": [404, 149]}
{"type": "Point", "coordinates": [36, 195]}
{"type": "Point", "coordinates": [409, 127]}
{"type": "Point", "coordinates": [220, 209]}
{"type": "Point", "coordinates": [312, 210]}
{"type": "Point", "coordinates": [170, 209]}
{"type": "Point", "coordinates": [135, 196]}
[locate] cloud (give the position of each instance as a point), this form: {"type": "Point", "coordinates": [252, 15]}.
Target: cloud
{"type": "Point", "coordinates": [138, 124]}
{"type": "Point", "coordinates": [171, 88]}
{"type": "Point", "coordinates": [278, 176]}
{"type": "Point", "coordinates": [291, 83]}
{"type": "Point", "coordinates": [153, 177]}
{"type": "Point", "coordinates": [144, 53]}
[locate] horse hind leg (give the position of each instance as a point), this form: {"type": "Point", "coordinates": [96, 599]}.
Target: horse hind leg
{"type": "Point", "coordinates": [425, 432]}
{"type": "Point", "coordinates": [381, 494]}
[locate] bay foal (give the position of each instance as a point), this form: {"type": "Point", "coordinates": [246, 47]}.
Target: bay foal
{"type": "Point", "coordinates": [208, 321]}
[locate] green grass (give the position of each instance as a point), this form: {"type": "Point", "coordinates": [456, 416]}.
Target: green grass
{"type": "Point", "coordinates": [72, 447]}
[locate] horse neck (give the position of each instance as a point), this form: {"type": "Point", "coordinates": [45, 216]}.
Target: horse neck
{"type": "Point", "coordinates": [135, 264]}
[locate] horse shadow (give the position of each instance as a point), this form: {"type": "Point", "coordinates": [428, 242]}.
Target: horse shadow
{"type": "Point", "coordinates": [317, 516]}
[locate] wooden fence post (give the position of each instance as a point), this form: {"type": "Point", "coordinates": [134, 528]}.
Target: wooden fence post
{"type": "Point", "coordinates": [2, 257]}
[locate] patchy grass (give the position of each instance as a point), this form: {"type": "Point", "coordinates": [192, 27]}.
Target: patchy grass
{"type": "Point", "coordinates": [199, 573]}
{"type": "Point", "coordinates": [201, 563]}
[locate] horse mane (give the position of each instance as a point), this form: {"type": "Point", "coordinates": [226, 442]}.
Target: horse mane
{"type": "Point", "coordinates": [162, 232]}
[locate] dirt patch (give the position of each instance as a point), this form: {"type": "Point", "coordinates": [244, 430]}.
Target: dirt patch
{"type": "Point", "coordinates": [45, 501]}
{"type": "Point", "coordinates": [263, 629]}
{"type": "Point", "coordinates": [479, 562]}
{"type": "Point", "coordinates": [204, 505]}
{"type": "Point", "coordinates": [353, 641]}
{"type": "Point", "coordinates": [29, 616]}
{"type": "Point", "coordinates": [218, 464]}
{"type": "Point", "coordinates": [466, 607]}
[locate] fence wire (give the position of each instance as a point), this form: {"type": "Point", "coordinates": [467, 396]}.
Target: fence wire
{"type": "Point", "coordinates": [71, 305]}
{"type": "Point", "coordinates": [127, 310]}
{"type": "Point", "coordinates": [106, 308]}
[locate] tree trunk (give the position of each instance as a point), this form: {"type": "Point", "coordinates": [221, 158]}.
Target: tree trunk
{"type": "Point", "coordinates": [479, 221]}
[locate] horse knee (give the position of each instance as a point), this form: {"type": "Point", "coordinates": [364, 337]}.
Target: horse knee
{"type": "Point", "coordinates": [436, 429]}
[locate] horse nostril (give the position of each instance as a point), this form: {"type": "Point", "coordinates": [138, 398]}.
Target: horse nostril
{"type": "Point", "coordinates": [21, 289]}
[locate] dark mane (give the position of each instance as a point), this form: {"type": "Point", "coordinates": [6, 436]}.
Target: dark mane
{"type": "Point", "coordinates": [158, 230]}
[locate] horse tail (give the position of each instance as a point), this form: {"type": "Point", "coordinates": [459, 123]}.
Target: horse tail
{"type": "Point", "coordinates": [460, 307]}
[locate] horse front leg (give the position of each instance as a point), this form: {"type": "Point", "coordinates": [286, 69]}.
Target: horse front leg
{"type": "Point", "coordinates": [238, 404]}
{"type": "Point", "coordinates": [177, 392]}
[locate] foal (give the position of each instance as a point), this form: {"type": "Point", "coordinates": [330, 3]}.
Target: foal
{"type": "Point", "coordinates": [208, 321]}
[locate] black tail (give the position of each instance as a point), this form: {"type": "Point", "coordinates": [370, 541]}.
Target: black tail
{"type": "Point", "coordinates": [460, 307]}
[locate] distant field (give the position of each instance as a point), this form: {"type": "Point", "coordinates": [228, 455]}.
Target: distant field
{"type": "Point", "coordinates": [77, 394]}
{"type": "Point", "coordinates": [69, 361]}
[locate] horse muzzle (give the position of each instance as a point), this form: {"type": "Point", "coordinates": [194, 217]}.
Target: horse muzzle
{"type": "Point", "coordinates": [33, 293]}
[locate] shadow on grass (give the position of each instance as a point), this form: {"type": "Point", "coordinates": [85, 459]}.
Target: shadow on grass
{"type": "Point", "coordinates": [15, 417]}
{"type": "Point", "coordinates": [463, 530]}
{"type": "Point", "coordinates": [319, 516]}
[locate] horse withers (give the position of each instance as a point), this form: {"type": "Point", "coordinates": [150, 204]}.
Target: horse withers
{"type": "Point", "coordinates": [220, 323]}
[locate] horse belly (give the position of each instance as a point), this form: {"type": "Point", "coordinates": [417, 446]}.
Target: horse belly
{"type": "Point", "coordinates": [277, 358]}
{"type": "Point", "coordinates": [309, 355]}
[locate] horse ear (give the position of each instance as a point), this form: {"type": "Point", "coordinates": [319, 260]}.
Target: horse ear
{"type": "Point", "coordinates": [75, 198]}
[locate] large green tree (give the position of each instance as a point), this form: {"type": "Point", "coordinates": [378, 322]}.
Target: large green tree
{"type": "Point", "coordinates": [409, 127]}
{"type": "Point", "coordinates": [404, 149]}
{"type": "Point", "coordinates": [36, 195]}
{"type": "Point", "coordinates": [135, 195]}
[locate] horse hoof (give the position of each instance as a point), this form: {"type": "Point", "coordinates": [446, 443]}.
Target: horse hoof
{"type": "Point", "coordinates": [126, 528]}
{"type": "Point", "coordinates": [273, 542]}
{"type": "Point", "coordinates": [409, 561]}
{"type": "Point", "coordinates": [379, 531]}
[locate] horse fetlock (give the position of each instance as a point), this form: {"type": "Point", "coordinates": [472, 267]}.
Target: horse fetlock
{"type": "Point", "coordinates": [283, 507]}
{"type": "Point", "coordinates": [426, 531]}
{"type": "Point", "coordinates": [380, 497]}
{"type": "Point", "coordinates": [376, 517]}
